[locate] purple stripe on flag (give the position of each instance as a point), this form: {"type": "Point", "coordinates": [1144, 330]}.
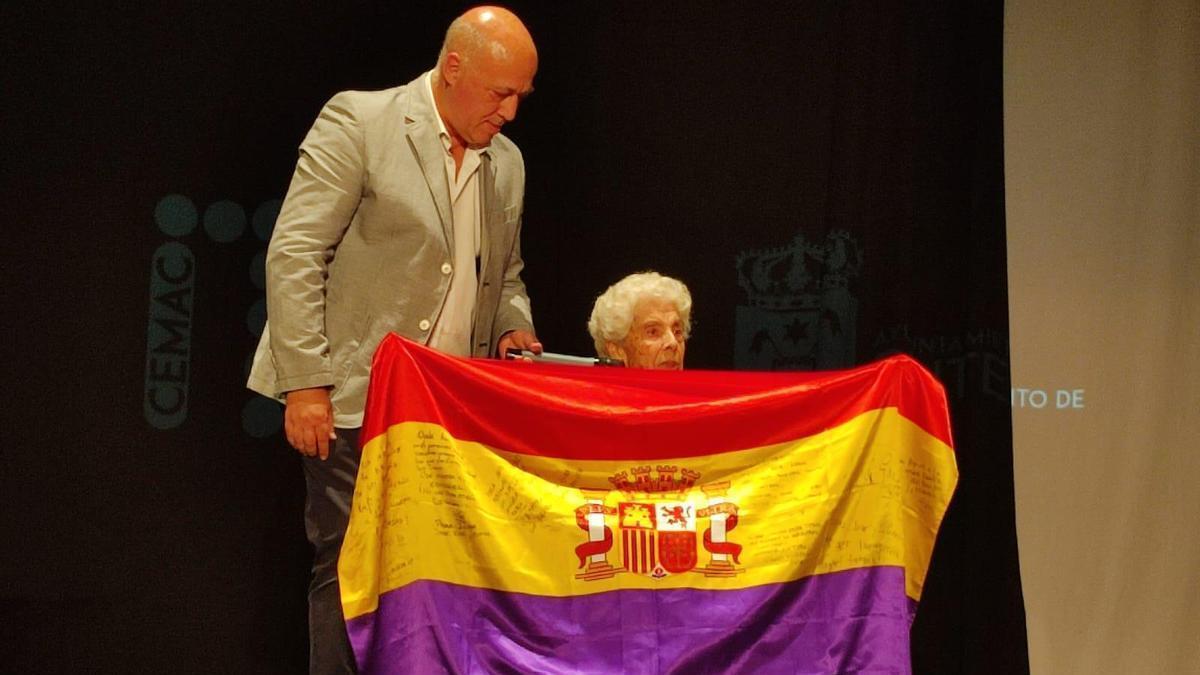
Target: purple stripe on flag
{"type": "Point", "coordinates": [851, 621]}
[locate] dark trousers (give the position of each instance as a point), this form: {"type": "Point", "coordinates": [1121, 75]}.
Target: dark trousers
{"type": "Point", "coordinates": [330, 486]}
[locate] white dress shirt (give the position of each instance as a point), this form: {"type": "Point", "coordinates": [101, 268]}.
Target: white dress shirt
{"type": "Point", "coordinates": [452, 332]}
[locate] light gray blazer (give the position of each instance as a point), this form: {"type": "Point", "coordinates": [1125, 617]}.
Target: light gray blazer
{"type": "Point", "coordinates": [362, 246]}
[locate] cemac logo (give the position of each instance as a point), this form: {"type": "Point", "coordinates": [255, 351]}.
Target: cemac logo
{"type": "Point", "coordinates": [171, 316]}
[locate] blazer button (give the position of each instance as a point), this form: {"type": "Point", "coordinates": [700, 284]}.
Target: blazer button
{"type": "Point", "coordinates": [424, 325]}
{"type": "Point", "coordinates": [446, 268]}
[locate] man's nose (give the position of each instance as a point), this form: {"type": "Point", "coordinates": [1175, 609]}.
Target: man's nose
{"type": "Point", "coordinates": [508, 107]}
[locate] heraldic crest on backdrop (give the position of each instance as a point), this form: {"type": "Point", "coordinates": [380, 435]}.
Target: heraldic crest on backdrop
{"type": "Point", "coordinates": [552, 518]}
{"type": "Point", "coordinates": [799, 312]}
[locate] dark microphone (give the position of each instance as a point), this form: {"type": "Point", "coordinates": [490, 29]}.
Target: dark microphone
{"type": "Point", "coordinates": [550, 357]}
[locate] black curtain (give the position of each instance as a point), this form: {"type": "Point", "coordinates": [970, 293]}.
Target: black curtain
{"type": "Point", "coordinates": [826, 177]}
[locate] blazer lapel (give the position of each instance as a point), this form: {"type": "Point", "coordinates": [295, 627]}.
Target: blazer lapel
{"type": "Point", "coordinates": [488, 233]}
{"type": "Point", "coordinates": [423, 137]}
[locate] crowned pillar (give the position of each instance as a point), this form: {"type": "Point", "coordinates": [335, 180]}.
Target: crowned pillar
{"type": "Point", "coordinates": [719, 508]}
{"type": "Point", "coordinates": [598, 566]}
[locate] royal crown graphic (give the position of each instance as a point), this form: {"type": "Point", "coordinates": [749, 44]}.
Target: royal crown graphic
{"type": "Point", "coordinates": [799, 312]}
{"type": "Point", "coordinates": [658, 516]}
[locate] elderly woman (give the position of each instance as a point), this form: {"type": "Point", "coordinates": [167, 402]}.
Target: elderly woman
{"type": "Point", "coordinates": [643, 320]}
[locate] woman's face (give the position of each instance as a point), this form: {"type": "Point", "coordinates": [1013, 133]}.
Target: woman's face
{"type": "Point", "coordinates": [655, 338]}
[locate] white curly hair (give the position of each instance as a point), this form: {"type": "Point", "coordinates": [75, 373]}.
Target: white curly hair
{"type": "Point", "coordinates": [612, 315]}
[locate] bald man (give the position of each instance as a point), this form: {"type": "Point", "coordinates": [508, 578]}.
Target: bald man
{"type": "Point", "coordinates": [403, 215]}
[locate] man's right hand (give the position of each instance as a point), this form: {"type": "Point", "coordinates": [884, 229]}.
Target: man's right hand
{"type": "Point", "coordinates": [308, 421]}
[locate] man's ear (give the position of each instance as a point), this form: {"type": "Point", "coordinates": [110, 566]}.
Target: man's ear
{"type": "Point", "coordinates": [451, 68]}
{"type": "Point", "coordinates": [615, 351]}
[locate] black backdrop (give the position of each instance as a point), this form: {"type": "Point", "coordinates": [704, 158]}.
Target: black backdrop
{"type": "Point", "coordinates": [825, 176]}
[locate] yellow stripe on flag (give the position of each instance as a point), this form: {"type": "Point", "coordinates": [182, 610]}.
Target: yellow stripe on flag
{"type": "Point", "coordinates": [427, 506]}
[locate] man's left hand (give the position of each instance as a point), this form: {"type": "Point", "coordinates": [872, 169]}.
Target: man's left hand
{"type": "Point", "coordinates": [519, 339]}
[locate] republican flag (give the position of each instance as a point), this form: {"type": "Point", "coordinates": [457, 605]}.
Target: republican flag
{"type": "Point", "coordinates": [514, 517]}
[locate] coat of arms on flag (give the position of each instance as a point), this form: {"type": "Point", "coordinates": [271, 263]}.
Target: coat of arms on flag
{"type": "Point", "coordinates": [657, 520]}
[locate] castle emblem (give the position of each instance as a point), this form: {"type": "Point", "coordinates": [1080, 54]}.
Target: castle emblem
{"type": "Point", "coordinates": [658, 522]}
{"type": "Point", "coordinates": [799, 313]}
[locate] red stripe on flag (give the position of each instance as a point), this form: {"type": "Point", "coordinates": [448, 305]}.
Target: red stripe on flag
{"type": "Point", "coordinates": [624, 413]}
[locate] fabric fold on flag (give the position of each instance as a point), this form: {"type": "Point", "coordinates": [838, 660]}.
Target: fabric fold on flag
{"type": "Point", "coordinates": [541, 518]}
